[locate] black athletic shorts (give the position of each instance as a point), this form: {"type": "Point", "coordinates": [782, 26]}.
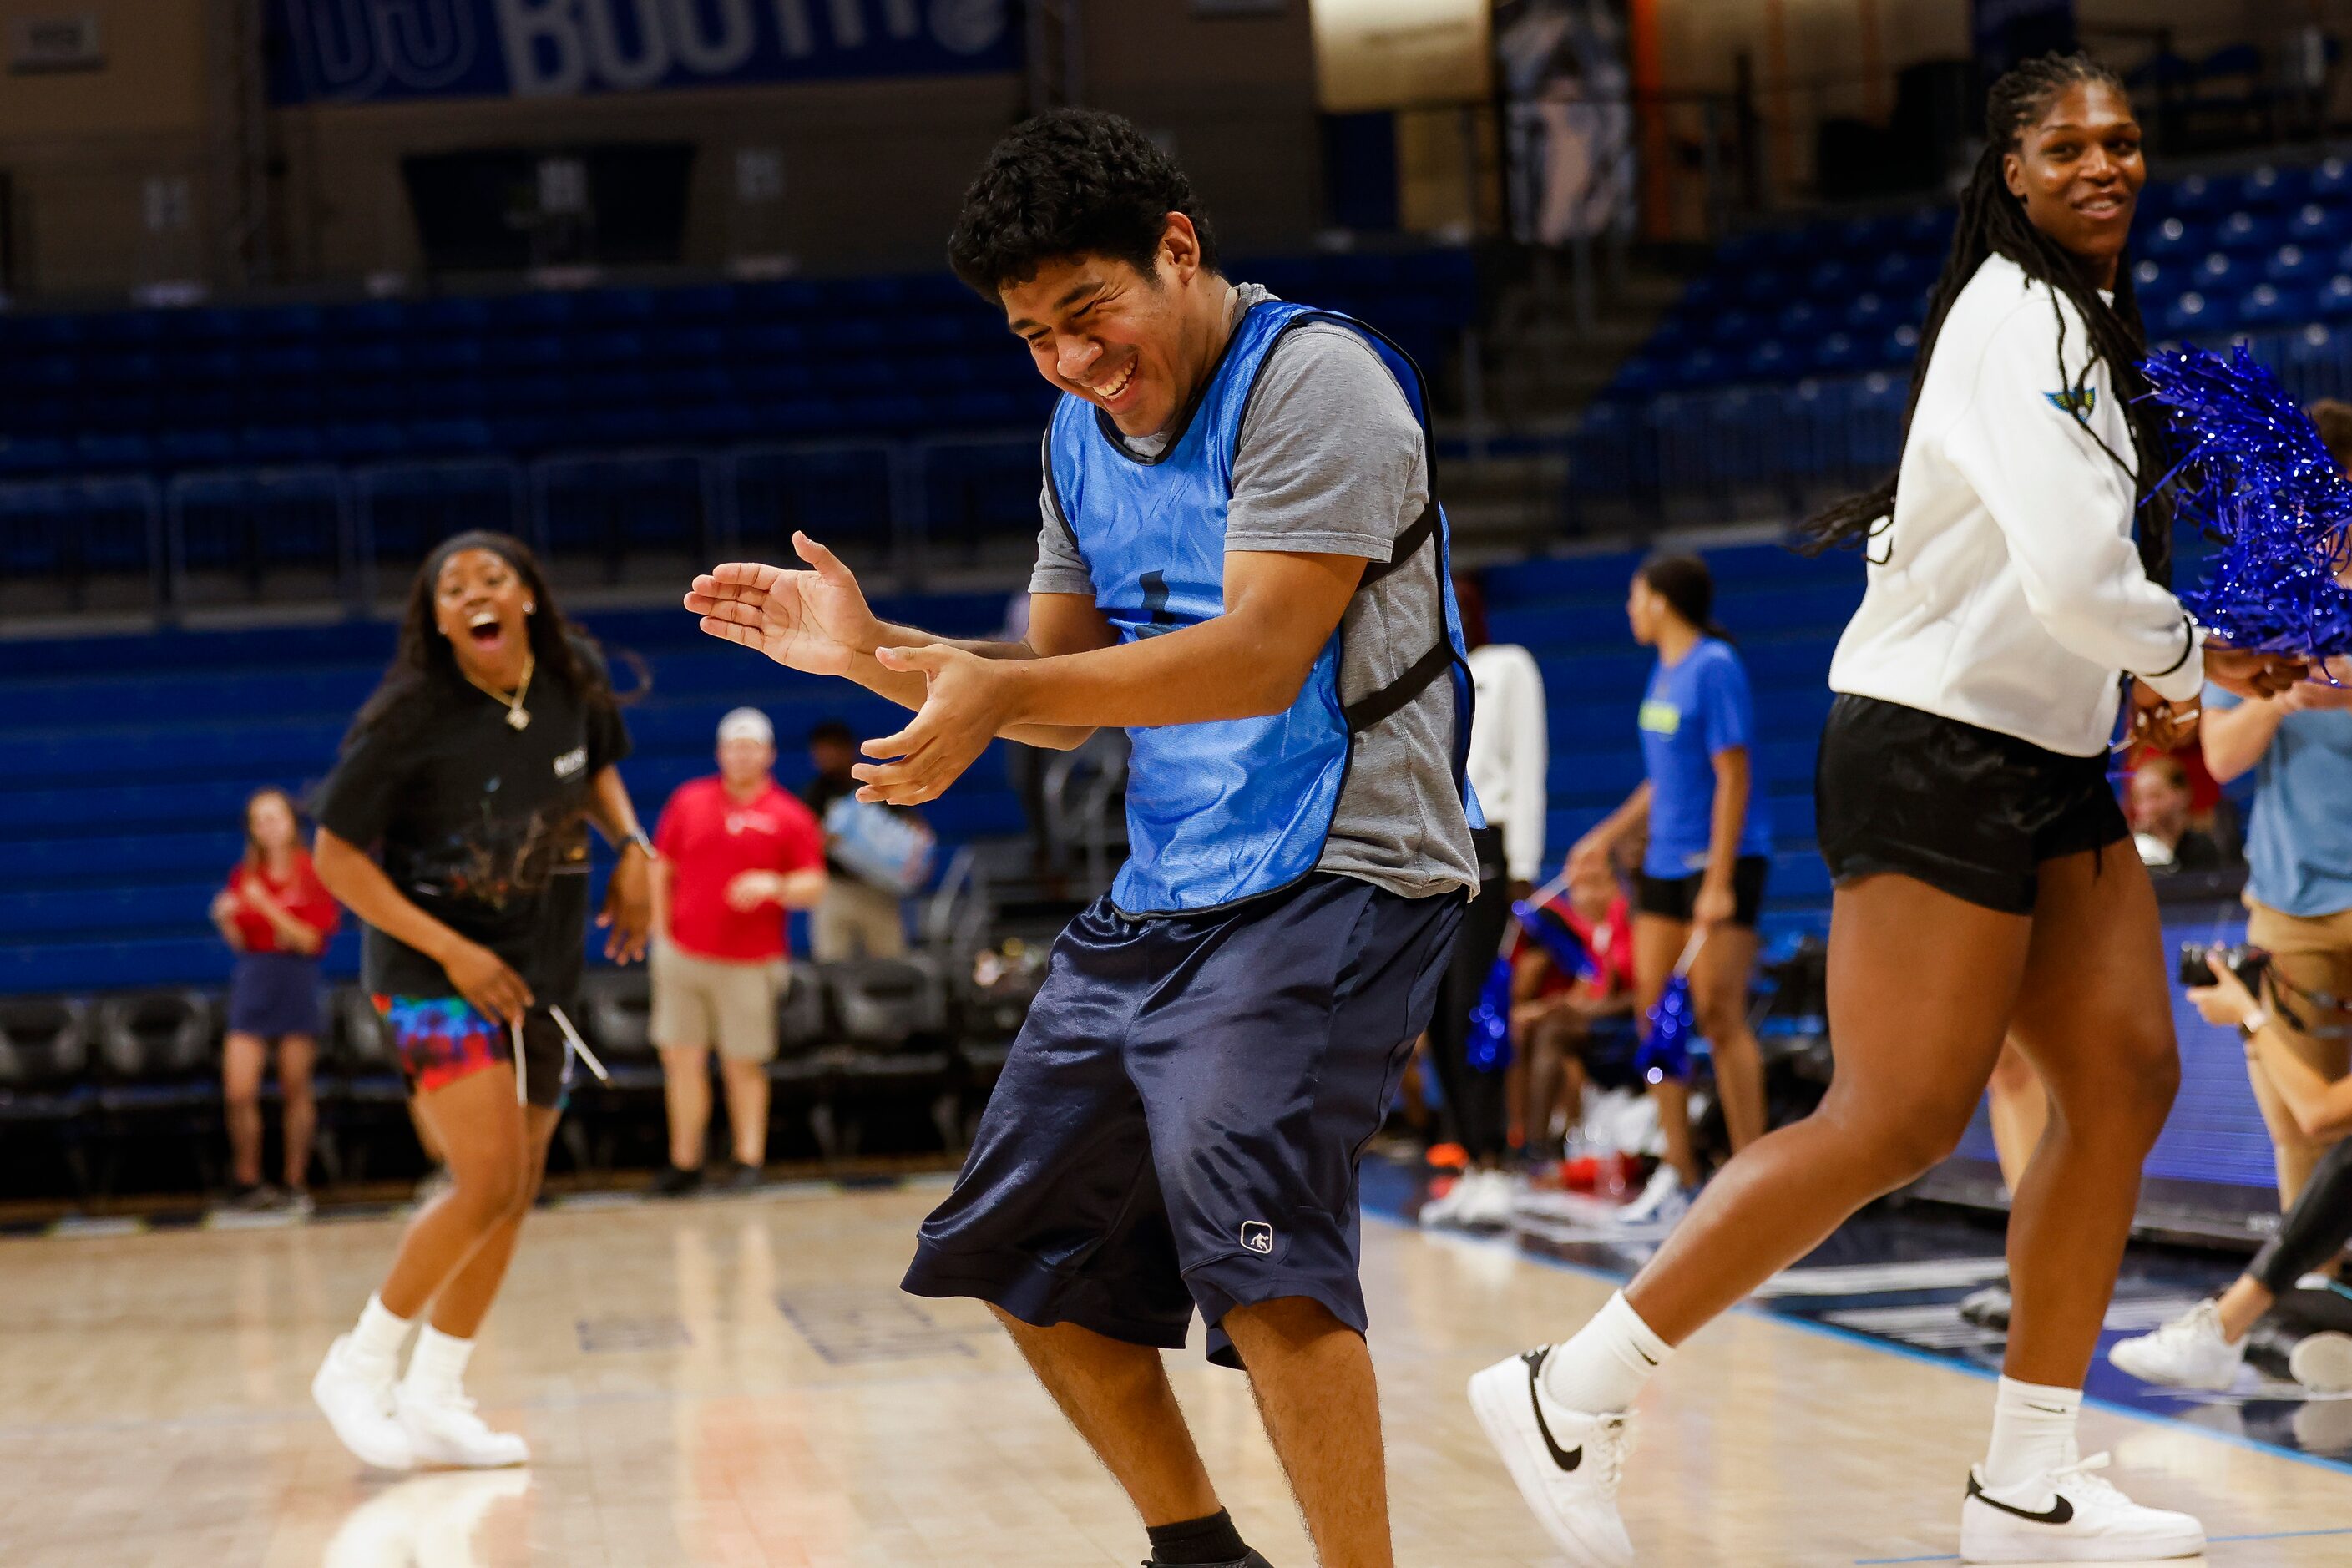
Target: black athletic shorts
{"type": "Point", "coordinates": [1674, 898]}
{"type": "Point", "coordinates": [1970, 811]}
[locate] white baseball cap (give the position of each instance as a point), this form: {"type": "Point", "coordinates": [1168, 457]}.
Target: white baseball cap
{"type": "Point", "coordinates": [747, 724]}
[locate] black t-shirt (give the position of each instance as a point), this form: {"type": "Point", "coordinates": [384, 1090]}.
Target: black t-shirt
{"type": "Point", "coordinates": [482, 825]}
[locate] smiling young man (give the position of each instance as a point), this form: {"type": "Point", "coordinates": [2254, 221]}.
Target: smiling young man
{"type": "Point", "coordinates": [1240, 563]}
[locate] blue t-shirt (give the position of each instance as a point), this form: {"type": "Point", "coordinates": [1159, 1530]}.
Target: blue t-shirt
{"type": "Point", "coordinates": [2299, 844]}
{"type": "Point", "coordinates": [1693, 711]}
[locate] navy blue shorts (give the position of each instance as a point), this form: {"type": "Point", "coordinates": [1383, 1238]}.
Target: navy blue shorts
{"type": "Point", "coordinates": [274, 994]}
{"type": "Point", "coordinates": [1179, 1123]}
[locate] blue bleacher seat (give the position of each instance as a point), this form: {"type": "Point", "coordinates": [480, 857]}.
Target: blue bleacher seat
{"type": "Point", "coordinates": [2173, 238]}
{"type": "Point", "coordinates": [2293, 264]}
{"type": "Point", "coordinates": [2249, 232]}
{"type": "Point", "coordinates": [2320, 225]}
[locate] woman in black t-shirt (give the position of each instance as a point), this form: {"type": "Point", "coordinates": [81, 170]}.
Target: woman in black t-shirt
{"type": "Point", "coordinates": [472, 773]}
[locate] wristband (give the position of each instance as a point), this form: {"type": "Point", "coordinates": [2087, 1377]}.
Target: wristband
{"type": "Point", "coordinates": [2253, 1023]}
{"type": "Point", "coordinates": [642, 841]}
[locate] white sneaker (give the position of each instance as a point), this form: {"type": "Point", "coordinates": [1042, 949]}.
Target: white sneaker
{"type": "Point", "coordinates": [357, 1402]}
{"type": "Point", "coordinates": [1566, 1463]}
{"type": "Point", "coordinates": [1447, 1210]}
{"type": "Point", "coordinates": [2069, 1516]}
{"type": "Point", "coordinates": [1489, 1207]}
{"type": "Point", "coordinates": [2322, 1362]}
{"type": "Point", "coordinates": [2189, 1352]}
{"type": "Point", "coordinates": [1662, 1202]}
{"type": "Point", "coordinates": [444, 1430]}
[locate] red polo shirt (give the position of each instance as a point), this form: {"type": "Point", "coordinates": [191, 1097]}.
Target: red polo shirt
{"type": "Point", "coordinates": [709, 838]}
{"type": "Point", "coordinates": [301, 895]}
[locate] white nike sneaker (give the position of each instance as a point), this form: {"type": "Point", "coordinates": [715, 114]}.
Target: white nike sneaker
{"type": "Point", "coordinates": [2189, 1352]}
{"type": "Point", "coordinates": [2322, 1362]}
{"type": "Point", "coordinates": [358, 1404]}
{"type": "Point", "coordinates": [1663, 1201]}
{"type": "Point", "coordinates": [2069, 1515]}
{"type": "Point", "coordinates": [1566, 1463]}
{"type": "Point", "coordinates": [1488, 1206]}
{"type": "Point", "coordinates": [445, 1430]}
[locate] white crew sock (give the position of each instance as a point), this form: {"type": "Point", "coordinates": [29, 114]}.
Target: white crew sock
{"type": "Point", "coordinates": [2032, 1432]}
{"type": "Point", "coordinates": [375, 1342]}
{"type": "Point", "coordinates": [1606, 1364]}
{"type": "Point", "coordinates": [436, 1368]}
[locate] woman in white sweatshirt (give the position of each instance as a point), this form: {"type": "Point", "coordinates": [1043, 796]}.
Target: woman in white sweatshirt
{"type": "Point", "coordinates": [1986, 884]}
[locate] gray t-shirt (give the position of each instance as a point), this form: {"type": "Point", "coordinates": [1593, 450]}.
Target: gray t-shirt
{"type": "Point", "coordinates": [1330, 461]}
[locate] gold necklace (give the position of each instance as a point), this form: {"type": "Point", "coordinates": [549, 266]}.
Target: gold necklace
{"type": "Point", "coordinates": [518, 716]}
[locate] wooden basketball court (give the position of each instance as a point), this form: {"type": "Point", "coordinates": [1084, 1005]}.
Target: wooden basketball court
{"type": "Point", "coordinates": [739, 1382]}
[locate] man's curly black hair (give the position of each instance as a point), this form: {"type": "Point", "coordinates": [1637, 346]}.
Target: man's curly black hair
{"type": "Point", "coordinates": [1076, 182]}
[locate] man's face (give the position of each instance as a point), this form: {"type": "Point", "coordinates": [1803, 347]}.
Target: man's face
{"type": "Point", "coordinates": [834, 759]}
{"type": "Point", "coordinates": [2158, 805]}
{"type": "Point", "coordinates": [1123, 339]}
{"type": "Point", "coordinates": [1593, 890]}
{"type": "Point", "coordinates": [745, 760]}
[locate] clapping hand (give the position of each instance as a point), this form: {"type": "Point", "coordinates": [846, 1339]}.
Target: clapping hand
{"type": "Point", "coordinates": [815, 621]}
{"type": "Point", "coordinates": [967, 700]}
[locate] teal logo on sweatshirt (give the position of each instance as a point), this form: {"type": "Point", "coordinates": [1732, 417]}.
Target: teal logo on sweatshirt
{"type": "Point", "coordinates": [2080, 404]}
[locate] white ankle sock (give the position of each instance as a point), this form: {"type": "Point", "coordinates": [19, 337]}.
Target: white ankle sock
{"type": "Point", "coordinates": [1605, 1364]}
{"type": "Point", "coordinates": [2032, 1432]}
{"type": "Point", "coordinates": [437, 1365]}
{"type": "Point", "coordinates": [379, 1336]}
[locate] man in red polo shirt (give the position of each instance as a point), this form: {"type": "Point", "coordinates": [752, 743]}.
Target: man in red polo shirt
{"type": "Point", "coordinates": [736, 853]}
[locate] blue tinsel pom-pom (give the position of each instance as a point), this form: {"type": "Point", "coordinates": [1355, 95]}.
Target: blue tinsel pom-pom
{"type": "Point", "coordinates": [1489, 1047]}
{"type": "Point", "coordinates": [1664, 1052]}
{"type": "Point", "coordinates": [2254, 475]}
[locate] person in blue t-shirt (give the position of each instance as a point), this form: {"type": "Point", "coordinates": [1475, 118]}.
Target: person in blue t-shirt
{"type": "Point", "coordinates": [2299, 892]}
{"type": "Point", "coordinates": [1710, 845]}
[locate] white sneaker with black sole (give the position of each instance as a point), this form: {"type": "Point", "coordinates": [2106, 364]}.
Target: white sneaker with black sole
{"type": "Point", "coordinates": [1566, 1463]}
{"type": "Point", "coordinates": [1663, 1201]}
{"type": "Point", "coordinates": [444, 1430]}
{"type": "Point", "coordinates": [359, 1404]}
{"type": "Point", "coordinates": [2322, 1362]}
{"type": "Point", "coordinates": [2070, 1515]}
{"type": "Point", "coordinates": [2190, 1351]}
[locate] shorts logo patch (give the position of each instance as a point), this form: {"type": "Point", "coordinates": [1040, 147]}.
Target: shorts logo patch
{"type": "Point", "coordinates": [1257, 1236]}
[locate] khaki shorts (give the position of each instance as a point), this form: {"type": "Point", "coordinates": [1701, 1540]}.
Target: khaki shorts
{"type": "Point", "coordinates": [855, 920]}
{"type": "Point", "coordinates": [2315, 953]}
{"type": "Point", "coordinates": [700, 1002]}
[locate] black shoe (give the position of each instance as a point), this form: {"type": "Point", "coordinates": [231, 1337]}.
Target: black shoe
{"type": "Point", "coordinates": [674, 1183]}
{"type": "Point", "coordinates": [1251, 1560]}
{"type": "Point", "coordinates": [736, 1177]}
{"type": "Point", "coordinates": [1988, 1308]}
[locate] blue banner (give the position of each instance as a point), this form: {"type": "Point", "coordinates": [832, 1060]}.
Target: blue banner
{"type": "Point", "coordinates": [380, 51]}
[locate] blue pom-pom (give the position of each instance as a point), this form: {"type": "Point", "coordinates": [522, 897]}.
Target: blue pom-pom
{"type": "Point", "coordinates": [1664, 1052]}
{"type": "Point", "coordinates": [1489, 1047]}
{"type": "Point", "coordinates": [2254, 475]}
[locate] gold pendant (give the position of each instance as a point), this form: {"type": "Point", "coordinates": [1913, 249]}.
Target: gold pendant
{"type": "Point", "coordinates": [518, 717]}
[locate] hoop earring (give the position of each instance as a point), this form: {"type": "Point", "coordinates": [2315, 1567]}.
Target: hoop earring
{"type": "Point", "coordinates": [531, 607]}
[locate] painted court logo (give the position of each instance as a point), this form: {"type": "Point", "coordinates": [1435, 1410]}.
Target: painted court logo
{"type": "Point", "coordinates": [1257, 1236]}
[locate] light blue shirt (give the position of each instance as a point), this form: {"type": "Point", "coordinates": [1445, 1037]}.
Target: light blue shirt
{"type": "Point", "coordinates": [2299, 844]}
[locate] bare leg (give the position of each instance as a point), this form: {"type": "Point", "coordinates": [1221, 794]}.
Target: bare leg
{"type": "Point", "coordinates": [466, 1299]}
{"type": "Point", "coordinates": [243, 1059]}
{"type": "Point", "coordinates": [480, 1131]}
{"type": "Point", "coordinates": [686, 1089]}
{"type": "Point", "coordinates": [2018, 1113]}
{"type": "Point", "coordinates": [1117, 1395]}
{"type": "Point", "coordinates": [297, 1057]}
{"type": "Point", "coordinates": [2093, 1016]}
{"type": "Point", "coordinates": [426, 1139]}
{"type": "Point", "coordinates": [1719, 980]}
{"type": "Point", "coordinates": [2243, 1306]}
{"type": "Point", "coordinates": [1921, 986]}
{"type": "Point", "coordinates": [747, 1108]}
{"type": "Point", "coordinates": [1313, 1378]}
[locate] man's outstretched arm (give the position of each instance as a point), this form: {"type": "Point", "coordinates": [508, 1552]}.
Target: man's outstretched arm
{"type": "Point", "coordinates": [1280, 611]}
{"type": "Point", "coordinates": [818, 621]}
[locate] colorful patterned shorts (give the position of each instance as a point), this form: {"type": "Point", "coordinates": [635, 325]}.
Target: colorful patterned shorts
{"type": "Point", "coordinates": [442, 1039]}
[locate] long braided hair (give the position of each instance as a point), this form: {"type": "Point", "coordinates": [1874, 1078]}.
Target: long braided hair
{"type": "Point", "coordinates": [1993, 223]}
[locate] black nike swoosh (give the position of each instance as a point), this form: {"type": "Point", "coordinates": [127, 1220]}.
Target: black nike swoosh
{"type": "Point", "coordinates": [1566, 1458]}
{"type": "Point", "coordinates": [2059, 1511]}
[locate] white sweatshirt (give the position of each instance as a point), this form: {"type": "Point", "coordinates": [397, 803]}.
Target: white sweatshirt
{"type": "Point", "coordinates": [2011, 596]}
{"type": "Point", "coordinates": [1511, 751]}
